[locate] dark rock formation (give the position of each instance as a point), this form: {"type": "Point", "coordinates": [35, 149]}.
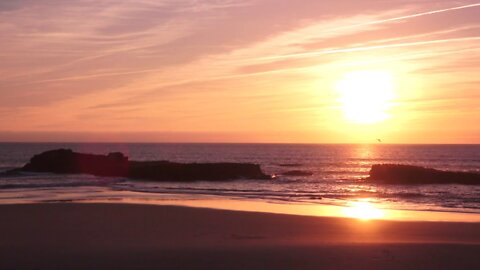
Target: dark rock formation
{"type": "Point", "coordinates": [116, 164]}
{"type": "Point", "coordinates": [407, 174]}
{"type": "Point", "coordinates": [297, 173]}
{"type": "Point", "coordinates": [67, 161]}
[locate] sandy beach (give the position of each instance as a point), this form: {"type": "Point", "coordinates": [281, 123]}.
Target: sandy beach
{"type": "Point", "coordinates": [127, 236]}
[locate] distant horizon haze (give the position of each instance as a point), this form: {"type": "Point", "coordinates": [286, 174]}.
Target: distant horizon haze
{"type": "Point", "coordinates": [192, 137]}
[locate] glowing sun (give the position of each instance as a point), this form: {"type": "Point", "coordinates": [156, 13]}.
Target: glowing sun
{"type": "Point", "coordinates": [366, 96]}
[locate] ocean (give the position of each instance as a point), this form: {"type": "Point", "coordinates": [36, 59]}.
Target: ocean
{"type": "Point", "coordinates": [333, 175]}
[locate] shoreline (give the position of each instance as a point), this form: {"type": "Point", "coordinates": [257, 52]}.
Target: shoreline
{"type": "Point", "coordinates": [327, 208]}
{"type": "Point", "coordinates": [124, 236]}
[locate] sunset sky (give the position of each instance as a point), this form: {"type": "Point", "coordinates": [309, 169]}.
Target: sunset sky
{"type": "Point", "coordinates": [305, 71]}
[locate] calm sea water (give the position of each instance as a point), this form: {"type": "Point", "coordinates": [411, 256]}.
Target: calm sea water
{"type": "Point", "coordinates": [337, 174]}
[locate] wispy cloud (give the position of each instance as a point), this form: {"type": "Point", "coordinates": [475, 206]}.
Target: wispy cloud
{"type": "Point", "coordinates": [173, 65]}
{"type": "Point", "coordinates": [383, 21]}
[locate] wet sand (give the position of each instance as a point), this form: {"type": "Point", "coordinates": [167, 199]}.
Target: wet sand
{"type": "Point", "coordinates": [127, 236]}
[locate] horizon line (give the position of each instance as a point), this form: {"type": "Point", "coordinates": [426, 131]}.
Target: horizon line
{"type": "Point", "coordinates": [206, 142]}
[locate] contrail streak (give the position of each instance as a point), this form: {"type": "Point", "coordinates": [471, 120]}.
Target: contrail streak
{"type": "Point", "coordinates": [368, 48]}
{"type": "Point", "coordinates": [412, 15]}
{"type": "Point", "coordinates": [373, 23]}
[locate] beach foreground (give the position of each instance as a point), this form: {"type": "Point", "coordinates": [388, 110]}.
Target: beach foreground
{"type": "Point", "coordinates": [129, 236]}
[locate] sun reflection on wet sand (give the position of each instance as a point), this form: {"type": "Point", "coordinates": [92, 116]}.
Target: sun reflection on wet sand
{"type": "Point", "coordinates": [363, 210]}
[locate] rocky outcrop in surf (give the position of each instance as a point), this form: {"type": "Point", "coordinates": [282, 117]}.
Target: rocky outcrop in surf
{"type": "Point", "coordinates": [65, 161]}
{"type": "Point", "coordinates": [408, 174]}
